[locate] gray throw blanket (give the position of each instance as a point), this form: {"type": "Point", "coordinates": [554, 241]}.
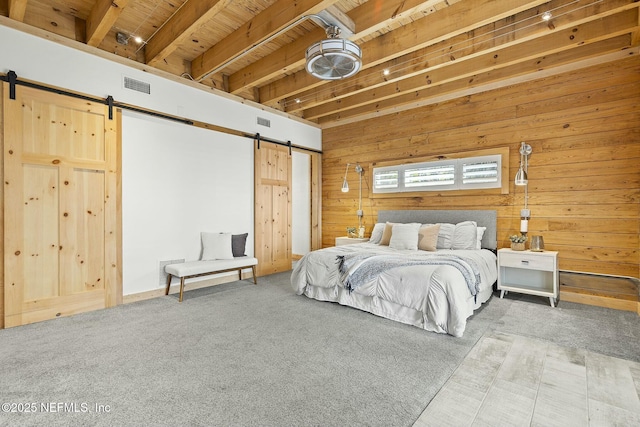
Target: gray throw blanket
{"type": "Point", "coordinates": [360, 268]}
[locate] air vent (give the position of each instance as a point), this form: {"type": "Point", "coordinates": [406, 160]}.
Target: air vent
{"type": "Point", "coordinates": [137, 85]}
{"type": "Point", "coordinates": [264, 122]}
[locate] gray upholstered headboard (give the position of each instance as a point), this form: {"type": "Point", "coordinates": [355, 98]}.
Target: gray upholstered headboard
{"type": "Point", "coordinates": [481, 217]}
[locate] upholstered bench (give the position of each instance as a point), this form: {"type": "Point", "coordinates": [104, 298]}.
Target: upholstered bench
{"type": "Point", "coordinates": [188, 270]}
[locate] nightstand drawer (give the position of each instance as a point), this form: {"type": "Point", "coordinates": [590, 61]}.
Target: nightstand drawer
{"type": "Point", "coordinates": [533, 273]}
{"type": "Point", "coordinates": [524, 260]}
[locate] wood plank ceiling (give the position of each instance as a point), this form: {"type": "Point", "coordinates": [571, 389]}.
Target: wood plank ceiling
{"type": "Point", "coordinates": [415, 52]}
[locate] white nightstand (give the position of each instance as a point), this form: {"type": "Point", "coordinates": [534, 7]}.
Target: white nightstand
{"type": "Point", "coordinates": [534, 273]}
{"type": "Point", "coordinates": [350, 240]}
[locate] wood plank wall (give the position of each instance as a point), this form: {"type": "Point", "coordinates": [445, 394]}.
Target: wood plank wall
{"type": "Point", "coordinates": [2, 226]}
{"type": "Point", "coordinates": [584, 178]}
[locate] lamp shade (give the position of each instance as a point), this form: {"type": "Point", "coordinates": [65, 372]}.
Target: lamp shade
{"type": "Point", "coordinates": [521, 177]}
{"type": "Point", "coordinates": [345, 186]}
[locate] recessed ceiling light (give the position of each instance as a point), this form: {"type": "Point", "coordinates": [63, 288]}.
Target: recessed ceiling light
{"type": "Point", "coordinates": [137, 39]}
{"type": "Point", "coordinates": [386, 72]}
{"type": "Point", "coordinates": [298, 101]}
{"type": "Point", "coordinates": [546, 16]}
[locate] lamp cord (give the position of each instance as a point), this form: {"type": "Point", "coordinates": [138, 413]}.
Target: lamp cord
{"type": "Point", "coordinates": [360, 201]}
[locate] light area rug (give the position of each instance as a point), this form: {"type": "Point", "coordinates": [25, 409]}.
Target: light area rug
{"type": "Point", "coordinates": [243, 355]}
{"type": "Point", "coordinates": [509, 380]}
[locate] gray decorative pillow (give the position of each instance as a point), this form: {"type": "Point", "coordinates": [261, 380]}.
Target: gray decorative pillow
{"type": "Point", "coordinates": [238, 244]}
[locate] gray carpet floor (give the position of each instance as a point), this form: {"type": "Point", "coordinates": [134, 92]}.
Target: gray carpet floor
{"type": "Point", "coordinates": [243, 355]}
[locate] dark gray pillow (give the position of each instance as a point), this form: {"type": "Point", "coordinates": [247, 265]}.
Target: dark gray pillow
{"type": "Point", "coordinates": [238, 244]}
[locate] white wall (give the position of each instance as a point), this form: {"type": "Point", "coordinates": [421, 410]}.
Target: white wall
{"type": "Point", "coordinates": [178, 180]}
{"type": "Point", "coordinates": [40, 60]}
{"type": "Point", "coordinates": [301, 203]}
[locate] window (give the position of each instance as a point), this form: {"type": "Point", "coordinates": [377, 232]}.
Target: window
{"type": "Point", "coordinates": [430, 175]}
{"type": "Point", "coordinates": [385, 179]}
{"type": "Point", "coordinates": [454, 174]}
{"type": "Point", "coordinates": [481, 172]}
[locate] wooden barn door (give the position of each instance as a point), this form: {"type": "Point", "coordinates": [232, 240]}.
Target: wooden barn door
{"type": "Point", "coordinates": [60, 206]}
{"type": "Point", "coordinates": [272, 208]}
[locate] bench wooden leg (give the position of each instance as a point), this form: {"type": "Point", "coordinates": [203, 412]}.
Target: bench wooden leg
{"type": "Point", "coordinates": [166, 292]}
{"type": "Point", "coordinates": [255, 278]}
{"type": "Point", "coordinates": [181, 288]}
{"type": "Point", "coordinates": [240, 274]}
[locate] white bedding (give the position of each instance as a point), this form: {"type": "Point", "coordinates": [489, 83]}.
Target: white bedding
{"type": "Point", "coordinates": [431, 297]}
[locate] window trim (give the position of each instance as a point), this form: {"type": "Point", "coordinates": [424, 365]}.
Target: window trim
{"type": "Point", "coordinates": [455, 158]}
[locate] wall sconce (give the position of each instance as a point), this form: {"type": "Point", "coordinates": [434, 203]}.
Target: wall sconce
{"type": "Point", "coordinates": [345, 189]}
{"type": "Point", "coordinates": [522, 179]}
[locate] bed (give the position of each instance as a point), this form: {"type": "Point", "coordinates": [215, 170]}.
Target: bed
{"type": "Point", "coordinates": [434, 284]}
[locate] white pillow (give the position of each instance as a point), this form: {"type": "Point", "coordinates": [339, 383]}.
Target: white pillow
{"type": "Point", "coordinates": [216, 246]}
{"type": "Point", "coordinates": [405, 236]}
{"type": "Point", "coordinates": [480, 231]}
{"type": "Point", "coordinates": [445, 236]}
{"type": "Point", "coordinates": [465, 235]}
{"type": "Point", "coordinates": [376, 233]}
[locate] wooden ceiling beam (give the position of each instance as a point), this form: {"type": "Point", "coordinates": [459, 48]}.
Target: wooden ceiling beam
{"type": "Point", "coordinates": [267, 23]}
{"type": "Point", "coordinates": [520, 29]}
{"type": "Point", "coordinates": [370, 17]}
{"type": "Point", "coordinates": [284, 60]}
{"type": "Point", "coordinates": [434, 28]}
{"type": "Point", "coordinates": [17, 9]}
{"type": "Point", "coordinates": [374, 16]}
{"type": "Point", "coordinates": [103, 16]}
{"type": "Point", "coordinates": [186, 21]}
{"type": "Point", "coordinates": [542, 66]}
{"type": "Point", "coordinates": [553, 43]}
